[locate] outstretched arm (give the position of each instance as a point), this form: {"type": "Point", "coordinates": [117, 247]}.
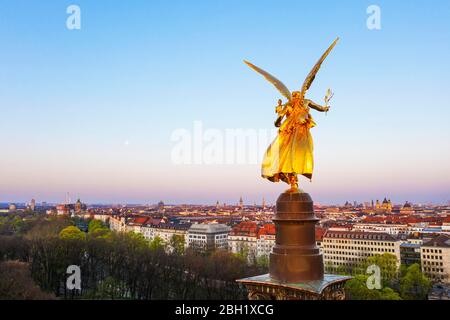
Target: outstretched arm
{"type": "Point", "coordinates": [316, 106]}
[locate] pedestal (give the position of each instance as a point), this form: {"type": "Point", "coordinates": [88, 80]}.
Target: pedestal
{"type": "Point", "coordinates": [295, 256]}
{"type": "Point", "coordinates": [263, 287]}
{"type": "Point", "coordinates": [296, 269]}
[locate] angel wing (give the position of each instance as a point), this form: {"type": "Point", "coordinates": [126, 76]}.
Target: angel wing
{"type": "Point", "coordinates": [310, 78]}
{"type": "Point", "coordinates": [277, 83]}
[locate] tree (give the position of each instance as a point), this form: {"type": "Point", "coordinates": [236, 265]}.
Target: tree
{"type": "Point", "coordinates": [97, 229]}
{"type": "Point", "coordinates": [72, 232]}
{"type": "Point", "coordinates": [48, 227]}
{"type": "Point", "coordinates": [157, 243]}
{"type": "Point", "coordinates": [16, 283]}
{"type": "Point", "coordinates": [356, 289]}
{"type": "Point", "coordinates": [94, 225]}
{"type": "Point", "coordinates": [413, 284]}
{"type": "Point", "coordinates": [388, 265]}
{"type": "Point", "coordinates": [6, 228]}
{"type": "Point", "coordinates": [389, 294]}
{"type": "Point", "coordinates": [263, 261]}
{"type": "Point", "coordinates": [103, 233]}
{"type": "Point", "coordinates": [243, 253]}
{"type": "Point", "coordinates": [177, 244]}
{"type": "Point", "coordinates": [124, 265]}
{"type": "Point", "coordinates": [109, 288]}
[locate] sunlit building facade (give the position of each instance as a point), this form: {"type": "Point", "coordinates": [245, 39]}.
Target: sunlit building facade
{"type": "Point", "coordinates": [346, 249]}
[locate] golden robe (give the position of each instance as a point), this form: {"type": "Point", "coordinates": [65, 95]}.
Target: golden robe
{"type": "Point", "coordinates": [292, 150]}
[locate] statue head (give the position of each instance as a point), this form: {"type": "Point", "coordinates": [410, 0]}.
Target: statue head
{"type": "Point", "coordinates": [297, 97]}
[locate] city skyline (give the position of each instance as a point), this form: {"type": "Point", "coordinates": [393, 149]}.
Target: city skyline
{"type": "Point", "coordinates": [220, 203]}
{"type": "Point", "coordinates": [92, 111]}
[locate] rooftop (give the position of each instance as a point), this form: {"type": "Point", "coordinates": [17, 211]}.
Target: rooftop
{"type": "Point", "coordinates": [410, 245]}
{"type": "Point", "coordinates": [209, 228]}
{"type": "Point", "coordinates": [138, 221]}
{"type": "Point", "coordinates": [359, 235]}
{"type": "Point", "coordinates": [267, 229]}
{"type": "Point", "coordinates": [171, 226]}
{"type": "Point", "coordinates": [247, 228]}
{"type": "Point", "coordinates": [440, 241]}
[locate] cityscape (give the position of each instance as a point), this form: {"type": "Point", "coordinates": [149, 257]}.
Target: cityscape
{"type": "Point", "coordinates": [203, 159]}
{"type": "Point", "coordinates": [346, 234]}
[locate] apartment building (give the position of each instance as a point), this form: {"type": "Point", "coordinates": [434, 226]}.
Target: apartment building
{"type": "Point", "coordinates": [265, 240]}
{"type": "Point", "coordinates": [118, 223]}
{"type": "Point", "coordinates": [164, 231]}
{"type": "Point", "coordinates": [435, 258]}
{"type": "Point", "coordinates": [349, 248]}
{"type": "Point", "coordinates": [243, 239]}
{"type": "Point", "coordinates": [205, 237]}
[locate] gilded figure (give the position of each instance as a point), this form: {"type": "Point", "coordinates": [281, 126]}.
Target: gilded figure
{"type": "Point", "coordinates": [291, 152]}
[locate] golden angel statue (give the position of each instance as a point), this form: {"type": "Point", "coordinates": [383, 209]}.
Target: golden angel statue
{"type": "Point", "coordinates": [291, 153]}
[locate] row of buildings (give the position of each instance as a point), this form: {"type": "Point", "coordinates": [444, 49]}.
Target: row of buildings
{"type": "Point", "coordinates": [346, 249]}
{"type": "Point", "coordinates": [347, 235]}
{"type": "Point", "coordinates": [197, 236]}
{"type": "Point", "coordinates": [247, 238]}
{"type": "Point", "coordinates": [342, 248]}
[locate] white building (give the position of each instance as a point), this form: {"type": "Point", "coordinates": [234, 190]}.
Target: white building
{"type": "Point", "coordinates": [350, 248]}
{"type": "Point", "coordinates": [250, 239]}
{"type": "Point", "coordinates": [266, 240]}
{"type": "Point", "coordinates": [435, 259]}
{"type": "Point", "coordinates": [135, 224]}
{"type": "Point", "coordinates": [205, 237]}
{"type": "Point", "coordinates": [243, 239]}
{"type": "Point", "coordinates": [117, 223]}
{"type": "Point", "coordinates": [164, 231]}
{"type": "Point", "coordinates": [264, 245]}
{"type": "Point", "coordinates": [102, 217]}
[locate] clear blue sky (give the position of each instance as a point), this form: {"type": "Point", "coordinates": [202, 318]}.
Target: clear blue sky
{"type": "Point", "coordinates": [91, 111]}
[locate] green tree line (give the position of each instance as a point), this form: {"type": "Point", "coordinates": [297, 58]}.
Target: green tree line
{"type": "Point", "coordinates": [122, 265]}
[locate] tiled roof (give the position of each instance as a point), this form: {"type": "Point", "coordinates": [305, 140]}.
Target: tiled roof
{"type": "Point", "coordinates": [401, 219]}
{"type": "Point", "coordinates": [320, 232]}
{"type": "Point", "coordinates": [246, 228]}
{"type": "Point", "coordinates": [440, 241]}
{"type": "Point", "coordinates": [267, 229]}
{"type": "Point", "coordinates": [138, 220]}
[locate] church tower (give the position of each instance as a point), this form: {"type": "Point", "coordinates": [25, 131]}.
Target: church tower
{"type": "Point", "coordinates": [389, 206]}
{"type": "Point", "coordinates": [78, 206]}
